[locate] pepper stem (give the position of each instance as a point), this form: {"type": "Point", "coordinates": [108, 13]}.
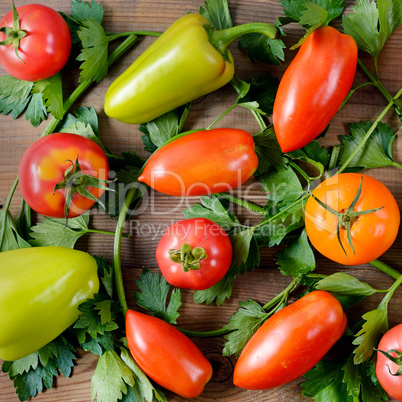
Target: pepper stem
{"type": "Point", "coordinates": [188, 257]}
{"type": "Point", "coordinates": [223, 38]}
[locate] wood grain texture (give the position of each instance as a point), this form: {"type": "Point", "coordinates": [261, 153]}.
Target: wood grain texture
{"type": "Point", "coordinates": [159, 211]}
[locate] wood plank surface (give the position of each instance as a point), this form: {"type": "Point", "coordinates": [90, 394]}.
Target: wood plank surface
{"type": "Point", "coordinates": [159, 211]}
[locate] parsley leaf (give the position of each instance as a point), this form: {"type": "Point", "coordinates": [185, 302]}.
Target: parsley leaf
{"type": "Point", "coordinates": [111, 378]}
{"type": "Point", "coordinates": [153, 296]}
{"type": "Point", "coordinates": [14, 95]}
{"type": "Point", "coordinates": [54, 232]}
{"type": "Point", "coordinates": [82, 11]}
{"type": "Point", "coordinates": [212, 208]}
{"type": "Point", "coordinates": [94, 54]}
{"type": "Point", "coordinates": [243, 324]}
{"type": "Point", "coordinates": [376, 152]}
{"type": "Point", "coordinates": [163, 128]}
{"type": "Point", "coordinates": [52, 93]}
{"type": "Point", "coordinates": [10, 239]}
{"type": "Point", "coordinates": [36, 110]}
{"type": "Point", "coordinates": [37, 370]}
{"type": "Point", "coordinates": [217, 13]}
{"type": "Point", "coordinates": [263, 49]}
{"type": "Point", "coordinates": [372, 23]}
{"type": "Point", "coordinates": [297, 258]}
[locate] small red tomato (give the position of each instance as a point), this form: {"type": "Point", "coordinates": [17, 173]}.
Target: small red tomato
{"type": "Point", "coordinates": [45, 48]}
{"type": "Point", "coordinates": [313, 87]}
{"type": "Point", "coordinates": [166, 355]}
{"type": "Point", "coordinates": [47, 162]}
{"type": "Point", "coordinates": [291, 342]}
{"type": "Point", "coordinates": [202, 163]}
{"type": "Point", "coordinates": [194, 253]}
{"type": "Point", "coordinates": [392, 384]}
{"type": "Point", "coordinates": [371, 234]}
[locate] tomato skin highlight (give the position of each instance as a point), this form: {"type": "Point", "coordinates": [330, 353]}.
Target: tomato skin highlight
{"type": "Point", "coordinates": [290, 342]}
{"type": "Point", "coordinates": [372, 234]}
{"type": "Point", "coordinates": [196, 232]}
{"type": "Point", "coordinates": [392, 385]}
{"type": "Point", "coordinates": [43, 164]}
{"type": "Point", "coordinates": [313, 87]}
{"type": "Point", "coordinates": [202, 162]}
{"type": "Point", "coordinates": [46, 47]}
{"type": "Point", "coordinates": [166, 355]}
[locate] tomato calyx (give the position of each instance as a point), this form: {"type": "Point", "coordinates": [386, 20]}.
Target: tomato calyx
{"type": "Point", "coordinates": [188, 257]}
{"type": "Point", "coordinates": [347, 217]}
{"type": "Point", "coordinates": [76, 182]}
{"type": "Point", "coordinates": [14, 34]}
{"type": "Point", "coordinates": [395, 359]}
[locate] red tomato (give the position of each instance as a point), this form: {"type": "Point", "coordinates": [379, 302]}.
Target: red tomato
{"type": "Point", "coordinates": [44, 164]}
{"type": "Point", "coordinates": [166, 355]}
{"type": "Point", "coordinates": [291, 342]}
{"type": "Point", "coordinates": [371, 234]}
{"type": "Point", "coordinates": [313, 87]}
{"type": "Point", "coordinates": [190, 267]}
{"type": "Point", "coordinates": [201, 163]}
{"type": "Point", "coordinates": [392, 384]}
{"type": "Point", "coordinates": [45, 48]}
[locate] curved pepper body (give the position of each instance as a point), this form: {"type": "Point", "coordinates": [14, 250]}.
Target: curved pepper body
{"type": "Point", "coordinates": [180, 66]}
{"type": "Point", "coordinates": [40, 290]}
{"type": "Point", "coordinates": [313, 87]}
{"type": "Point", "coordinates": [202, 163]}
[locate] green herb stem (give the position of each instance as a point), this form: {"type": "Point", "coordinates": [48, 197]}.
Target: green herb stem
{"type": "Point", "coordinates": [222, 116]}
{"type": "Point", "coordinates": [352, 91]}
{"type": "Point", "coordinates": [204, 334]}
{"type": "Point", "coordinates": [283, 296]}
{"type": "Point", "coordinates": [114, 36]}
{"type": "Point", "coordinates": [241, 202]}
{"type": "Point", "coordinates": [386, 269]}
{"type": "Point", "coordinates": [83, 86]}
{"type": "Point", "coordinates": [369, 132]}
{"type": "Point", "coordinates": [117, 249]}
{"type": "Point", "coordinates": [375, 80]}
{"type": "Point", "coordinates": [104, 232]}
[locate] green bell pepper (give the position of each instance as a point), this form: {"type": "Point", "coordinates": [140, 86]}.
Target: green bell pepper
{"type": "Point", "coordinates": [189, 60]}
{"type": "Point", "coordinates": [40, 290]}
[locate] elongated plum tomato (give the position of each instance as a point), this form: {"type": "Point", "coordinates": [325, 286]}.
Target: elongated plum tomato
{"type": "Point", "coordinates": [291, 342]}
{"type": "Point", "coordinates": [194, 253]}
{"type": "Point", "coordinates": [371, 234]}
{"type": "Point", "coordinates": [202, 162]}
{"type": "Point", "coordinates": [45, 164]}
{"type": "Point", "coordinates": [166, 355]}
{"type": "Point", "coordinates": [45, 48]}
{"type": "Point", "coordinates": [313, 87]}
{"type": "Point", "coordinates": [385, 368]}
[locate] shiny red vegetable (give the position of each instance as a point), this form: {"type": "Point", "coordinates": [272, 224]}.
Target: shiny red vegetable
{"type": "Point", "coordinates": [43, 44]}
{"type": "Point", "coordinates": [291, 342]}
{"type": "Point", "coordinates": [166, 355]}
{"type": "Point", "coordinates": [194, 253]}
{"type": "Point", "coordinates": [202, 163]}
{"type": "Point", "coordinates": [313, 87]}
{"type": "Point", "coordinates": [386, 370]}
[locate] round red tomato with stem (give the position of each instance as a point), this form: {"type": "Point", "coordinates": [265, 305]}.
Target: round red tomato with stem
{"type": "Point", "coordinates": [352, 218]}
{"type": "Point", "coordinates": [389, 362]}
{"type": "Point", "coordinates": [194, 253]}
{"type": "Point", "coordinates": [313, 87]}
{"type": "Point", "coordinates": [291, 342]}
{"type": "Point", "coordinates": [202, 163]}
{"type": "Point", "coordinates": [35, 42]}
{"type": "Point", "coordinates": [63, 175]}
{"type": "Point", "coordinates": [166, 355]}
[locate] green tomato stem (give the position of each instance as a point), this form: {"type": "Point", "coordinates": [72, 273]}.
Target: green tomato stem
{"type": "Point", "coordinates": [386, 269]}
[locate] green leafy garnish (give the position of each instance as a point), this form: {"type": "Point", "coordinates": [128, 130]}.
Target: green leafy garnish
{"type": "Point", "coordinates": [217, 13]}
{"type": "Point", "coordinates": [153, 296]}
{"type": "Point", "coordinates": [372, 23]}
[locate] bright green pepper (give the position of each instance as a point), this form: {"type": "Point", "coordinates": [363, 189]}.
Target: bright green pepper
{"type": "Point", "coordinates": [40, 290]}
{"type": "Point", "coordinates": [189, 60]}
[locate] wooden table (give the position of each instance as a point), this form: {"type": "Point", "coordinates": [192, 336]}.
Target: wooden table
{"type": "Point", "coordinates": [138, 251]}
